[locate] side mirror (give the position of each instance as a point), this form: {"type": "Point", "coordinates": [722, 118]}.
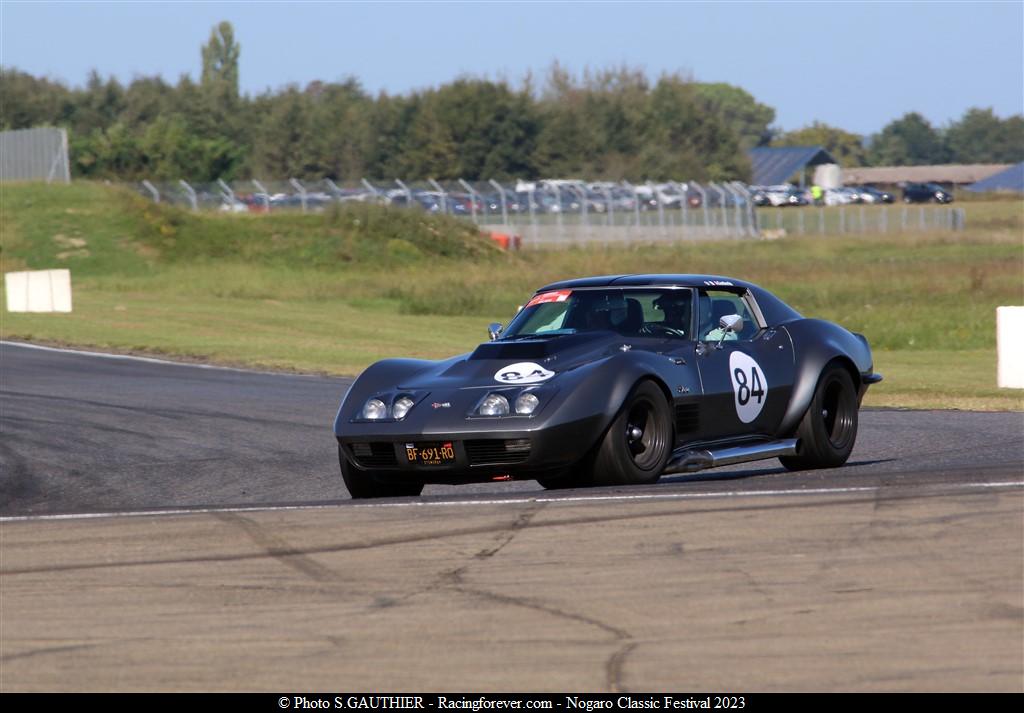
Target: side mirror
{"type": "Point", "coordinates": [494, 330]}
{"type": "Point", "coordinates": [731, 323]}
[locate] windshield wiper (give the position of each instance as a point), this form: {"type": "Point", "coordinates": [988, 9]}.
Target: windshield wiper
{"type": "Point", "coordinates": [542, 335]}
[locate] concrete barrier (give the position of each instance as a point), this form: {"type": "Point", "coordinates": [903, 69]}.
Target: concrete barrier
{"type": "Point", "coordinates": [38, 291]}
{"type": "Point", "coordinates": [1010, 347]}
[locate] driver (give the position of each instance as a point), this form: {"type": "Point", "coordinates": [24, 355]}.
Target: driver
{"type": "Point", "coordinates": [677, 308]}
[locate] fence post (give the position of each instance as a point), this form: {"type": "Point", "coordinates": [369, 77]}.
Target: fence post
{"type": "Point", "coordinates": [609, 206]}
{"type": "Point", "coordinates": [226, 193]}
{"type": "Point", "coordinates": [444, 194]}
{"type": "Point", "coordinates": [636, 206]}
{"type": "Point", "coordinates": [725, 210]}
{"type": "Point", "coordinates": [684, 208]}
{"type": "Point", "coordinates": [265, 192]}
{"type": "Point", "coordinates": [191, 195]}
{"type": "Point", "coordinates": [371, 188]}
{"type": "Point", "coordinates": [152, 191]}
{"type": "Point", "coordinates": [703, 206]}
{"type": "Point", "coordinates": [582, 193]}
{"type": "Point", "coordinates": [334, 189]}
{"type": "Point", "coordinates": [738, 193]}
{"type": "Point", "coordinates": [752, 228]}
{"type": "Point", "coordinates": [408, 193]}
{"type": "Point", "coordinates": [656, 195]}
{"type": "Point", "coordinates": [302, 191]}
{"type": "Point", "coordinates": [504, 205]}
{"type": "Point", "coordinates": [558, 212]}
{"type": "Point", "coordinates": [743, 204]}
{"type": "Point", "coordinates": [472, 198]}
{"type": "Point", "coordinates": [533, 212]}
{"type": "Point", "coordinates": [884, 218]}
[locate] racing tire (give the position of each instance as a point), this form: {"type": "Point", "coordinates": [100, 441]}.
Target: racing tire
{"type": "Point", "coordinates": [828, 431]}
{"type": "Point", "coordinates": [637, 445]}
{"type": "Point", "coordinates": [362, 485]}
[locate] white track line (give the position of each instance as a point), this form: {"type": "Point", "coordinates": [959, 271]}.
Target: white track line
{"type": "Point", "coordinates": [152, 360]}
{"type": "Point", "coordinates": [923, 490]}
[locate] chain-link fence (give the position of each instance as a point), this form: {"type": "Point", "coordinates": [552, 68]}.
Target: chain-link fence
{"type": "Point", "coordinates": [563, 212]}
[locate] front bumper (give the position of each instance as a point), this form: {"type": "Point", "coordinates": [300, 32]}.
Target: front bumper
{"type": "Point", "coordinates": [479, 455]}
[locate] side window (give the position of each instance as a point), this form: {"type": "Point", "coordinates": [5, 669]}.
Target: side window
{"type": "Point", "coordinates": [715, 304]}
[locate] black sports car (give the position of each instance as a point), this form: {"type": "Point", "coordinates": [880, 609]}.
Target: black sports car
{"type": "Point", "coordinates": [926, 193]}
{"type": "Point", "coordinates": [612, 380]}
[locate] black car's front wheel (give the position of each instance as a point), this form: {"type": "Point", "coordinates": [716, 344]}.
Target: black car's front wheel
{"type": "Point", "coordinates": [362, 484]}
{"type": "Point", "coordinates": [828, 430]}
{"type": "Point", "coordinates": [637, 445]}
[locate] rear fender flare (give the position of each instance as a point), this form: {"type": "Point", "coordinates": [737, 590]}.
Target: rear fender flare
{"type": "Point", "coordinates": [817, 344]}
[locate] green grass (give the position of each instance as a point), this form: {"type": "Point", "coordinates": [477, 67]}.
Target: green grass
{"type": "Point", "coordinates": [334, 292]}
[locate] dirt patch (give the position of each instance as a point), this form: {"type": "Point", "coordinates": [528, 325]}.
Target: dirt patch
{"type": "Point", "coordinates": [68, 254]}
{"type": "Point", "coordinates": [66, 242]}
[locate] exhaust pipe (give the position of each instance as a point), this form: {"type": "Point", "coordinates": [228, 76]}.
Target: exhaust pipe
{"type": "Point", "coordinates": [690, 461]}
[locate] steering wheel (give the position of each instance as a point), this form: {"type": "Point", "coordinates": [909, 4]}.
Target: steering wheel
{"type": "Point", "coordinates": [659, 328]}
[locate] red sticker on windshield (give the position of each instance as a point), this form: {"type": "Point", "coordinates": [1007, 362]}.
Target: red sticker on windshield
{"type": "Point", "coordinates": [555, 296]}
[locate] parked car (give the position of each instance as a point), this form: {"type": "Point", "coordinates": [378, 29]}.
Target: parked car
{"type": "Point", "coordinates": [926, 193]}
{"type": "Point", "coordinates": [841, 196]}
{"type": "Point", "coordinates": [785, 195]}
{"type": "Point", "coordinates": [869, 194]}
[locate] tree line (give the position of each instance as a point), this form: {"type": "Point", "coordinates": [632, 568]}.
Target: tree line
{"type": "Point", "coordinates": [606, 124]}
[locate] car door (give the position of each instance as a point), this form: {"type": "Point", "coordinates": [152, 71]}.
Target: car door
{"type": "Point", "coordinates": [746, 376]}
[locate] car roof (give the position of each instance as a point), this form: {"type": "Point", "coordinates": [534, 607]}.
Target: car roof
{"type": "Point", "coordinates": [648, 280]}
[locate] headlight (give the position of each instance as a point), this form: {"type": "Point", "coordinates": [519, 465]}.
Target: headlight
{"type": "Point", "coordinates": [375, 409]}
{"type": "Point", "coordinates": [402, 406]}
{"type": "Point", "coordinates": [494, 405]}
{"type": "Point", "coordinates": [526, 403]}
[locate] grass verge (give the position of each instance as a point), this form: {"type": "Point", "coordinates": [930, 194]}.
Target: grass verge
{"type": "Point", "coordinates": [333, 293]}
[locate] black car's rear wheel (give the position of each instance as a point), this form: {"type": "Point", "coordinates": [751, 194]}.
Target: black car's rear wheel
{"type": "Point", "coordinates": [362, 484]}
{"type": "Point", "coordinates": [638, 443]}
{"type": "Point", "coordinates": [828, 430]}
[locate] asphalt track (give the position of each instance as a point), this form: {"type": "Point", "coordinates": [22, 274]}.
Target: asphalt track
{"type": "Point", "coordinates": [174, 527]}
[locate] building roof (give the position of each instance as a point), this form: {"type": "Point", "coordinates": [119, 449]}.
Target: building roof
{"type": "Point", "coordinates": [1012, 179]}
{"type": "Point", "coordinates": [950, 173]}
{"type": "Point", "coordinates": [774, 165]}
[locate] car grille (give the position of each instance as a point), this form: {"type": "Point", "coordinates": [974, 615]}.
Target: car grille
{"type": "Point", "coordinates": [497, 451]}
{"type": "Point", "coordinates": [374, 455]}
{"type": "Point", "coordinates": [687, 419]}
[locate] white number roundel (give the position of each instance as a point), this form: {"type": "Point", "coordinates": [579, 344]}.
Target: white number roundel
{"type": "Point", "coordinates": [749, 386]}
{"type": "Point", "coordinates": [524, 372]}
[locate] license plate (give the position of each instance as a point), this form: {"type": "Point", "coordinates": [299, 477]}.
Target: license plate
{"type": "Point", "coordinates": [430, 453]}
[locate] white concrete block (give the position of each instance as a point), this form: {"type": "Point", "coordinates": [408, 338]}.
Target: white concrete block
{"type": "Point", "coordinates": [17, 291]}
{"type": "Point", "coordinates": [1010, 347]}
{"type": "Point", "coordinates": [38, 291]}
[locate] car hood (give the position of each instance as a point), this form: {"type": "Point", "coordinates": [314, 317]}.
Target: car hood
{"type": "Point", "coordinates": [512, 363]}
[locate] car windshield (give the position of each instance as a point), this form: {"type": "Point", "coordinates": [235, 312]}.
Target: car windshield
{"type": "Point", "coordinates": [632, 312]}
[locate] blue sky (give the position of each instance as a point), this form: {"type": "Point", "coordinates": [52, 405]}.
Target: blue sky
{"type": "Point", "coordinates": [853, 65]}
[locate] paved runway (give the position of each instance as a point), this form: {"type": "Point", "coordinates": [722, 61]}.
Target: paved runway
{"type": "Point", "coordinates": [903, 570]}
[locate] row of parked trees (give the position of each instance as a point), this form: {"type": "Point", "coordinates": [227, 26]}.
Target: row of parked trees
{"type": "Point", "coordinates": [613, 124]}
